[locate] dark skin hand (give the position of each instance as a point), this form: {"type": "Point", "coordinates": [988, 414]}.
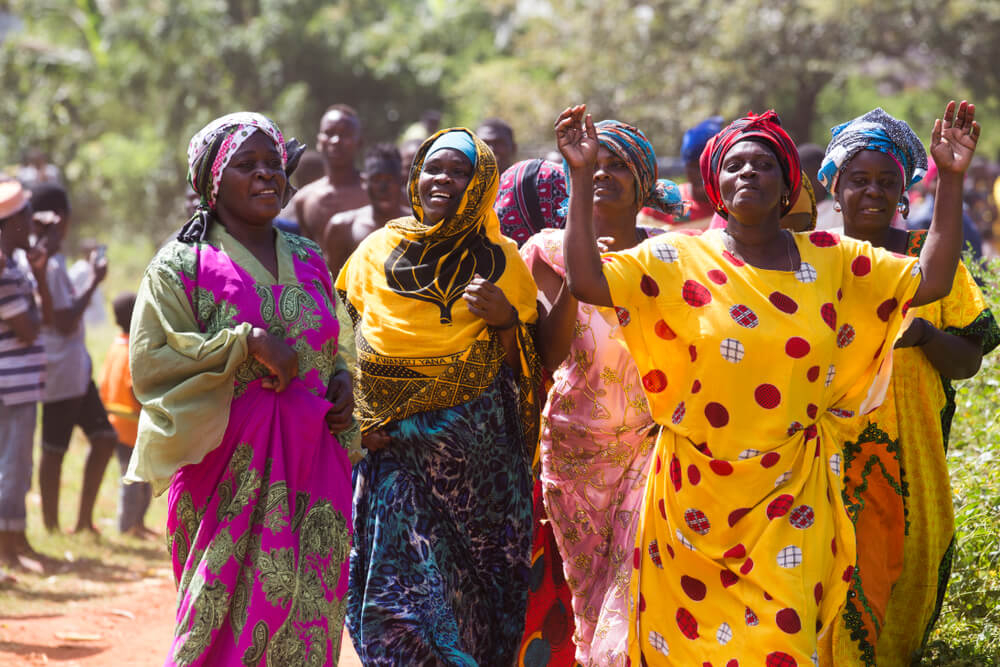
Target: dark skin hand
{"type": "Point", "coordinates": [341, 394]}
{"type": "Point", "coordinates": [953, 143]}
{"type": "Point", "coordinates": [488, 302]}
{"type": "Point", "coordinates": [954, 357]}
{"type": "Point", "coordinates": [576, 138]}
{"type": "Point", "coordinates": [276, 356]}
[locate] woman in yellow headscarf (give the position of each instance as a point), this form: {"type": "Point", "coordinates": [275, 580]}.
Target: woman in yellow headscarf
{"type": "Point", "coordinates": [444, 311]}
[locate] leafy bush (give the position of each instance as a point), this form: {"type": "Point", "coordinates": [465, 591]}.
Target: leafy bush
{"type": "Point", "coordinates": [968, 630]}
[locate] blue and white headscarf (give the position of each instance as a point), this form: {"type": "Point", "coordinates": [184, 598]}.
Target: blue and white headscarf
{"type": "Point", "coordinates": [874, 131]}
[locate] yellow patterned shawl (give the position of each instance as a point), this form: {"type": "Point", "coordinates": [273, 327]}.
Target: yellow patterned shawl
{"type": "Point", "coordinates": [419, 347]}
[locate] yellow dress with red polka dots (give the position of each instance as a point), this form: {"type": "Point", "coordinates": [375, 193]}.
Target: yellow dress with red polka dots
{"type": "Point", "coordinates": [745, 551]}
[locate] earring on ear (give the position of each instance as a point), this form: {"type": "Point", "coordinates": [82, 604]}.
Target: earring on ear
{"type": "Point", "coordinates": [784, 201]}
{"type": "Point", "coordinates": [837, 207]}
{"type": "Point", "coordinates": [903, 207]}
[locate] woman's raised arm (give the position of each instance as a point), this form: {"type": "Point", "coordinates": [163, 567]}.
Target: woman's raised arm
{"type": "Point", "coordinates": [953, 143]}
{"type": "Point", "coordinates": [576, 137]}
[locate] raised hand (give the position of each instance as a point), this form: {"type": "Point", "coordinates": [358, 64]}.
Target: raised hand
{"type": "Point", "coordinates": [38, 260]}
{"type": "Point", "coordinates": [276, 355]}
{"type": "Point", "coordinates": [576, 137]}
{"type": "Point", "coordinates": [954, 138]}
{"type": "Point", "coordinates": [375, 440]}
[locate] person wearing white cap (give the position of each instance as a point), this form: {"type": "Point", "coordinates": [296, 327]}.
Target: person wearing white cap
{"type": "Point", "coordinates": [22, 371]}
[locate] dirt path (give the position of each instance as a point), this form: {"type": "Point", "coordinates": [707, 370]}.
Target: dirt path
{"type": "Point", "coordinates": [130, 628]}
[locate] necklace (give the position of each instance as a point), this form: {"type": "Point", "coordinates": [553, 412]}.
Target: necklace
{"type": "Point", "coordinates": [730, 244]}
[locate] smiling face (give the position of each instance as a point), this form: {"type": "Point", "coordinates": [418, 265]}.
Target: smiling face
{"type": "Point", "coordinates": [614, 184]}
{"type": "Point", "coordinates": [443, 180]}
{"type": "Point", "coordinates": [868, 190]}
{"type": "Point", "coordinates": [751, 183]}
{"type": "Point", "coordinates": [253, 183]}
{"type": "Point", "coordinates": [339, 138]}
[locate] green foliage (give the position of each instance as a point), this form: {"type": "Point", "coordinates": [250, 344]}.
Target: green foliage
{"type": "Point", "coordinates": [968, 630]}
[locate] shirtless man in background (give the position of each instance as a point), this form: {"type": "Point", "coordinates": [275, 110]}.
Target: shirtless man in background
{"type": "Point", "coordinates": [338, 142]}
{"type": "Point", "coordinates": [383, 184]}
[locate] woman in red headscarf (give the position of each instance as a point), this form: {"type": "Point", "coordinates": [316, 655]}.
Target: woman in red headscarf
{"type": "Point", "coordinates": [755, 345]}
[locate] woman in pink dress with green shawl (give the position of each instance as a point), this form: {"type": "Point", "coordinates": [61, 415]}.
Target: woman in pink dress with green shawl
{"type": "Point", "coordinates": [234, 359]}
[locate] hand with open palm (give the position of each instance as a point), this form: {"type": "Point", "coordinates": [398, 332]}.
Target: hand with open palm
{"type": "Point", "coordinates": [576, 137]}
{"type": "Point", "coordinates": [954, 138]}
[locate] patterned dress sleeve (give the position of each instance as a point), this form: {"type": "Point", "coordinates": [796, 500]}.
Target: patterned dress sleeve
{"type": "Point", "coordinates": [547, 247]}
{"type": "Point", "coordinates": [183, 378]}
{"type": "Point", "coordinates": [964, 312]}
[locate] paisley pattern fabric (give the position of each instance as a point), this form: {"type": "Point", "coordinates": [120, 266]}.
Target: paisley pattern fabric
{"type": "Point", "coordinates": [597, 437]}
{"type": "Point", "coordinates": [259, 526]}
{"type": "Point", "coordinates": [899, 493]}
{"type": "Point", "coordinates": [744, 550]}
{"type": "Point", "coordinates": [439, 568]}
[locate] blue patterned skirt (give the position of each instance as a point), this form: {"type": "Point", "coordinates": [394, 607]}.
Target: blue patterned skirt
{"type": "Point", "coordinates": [442, 537]}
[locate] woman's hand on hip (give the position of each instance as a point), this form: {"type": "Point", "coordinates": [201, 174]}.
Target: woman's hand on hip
{"type": "Point", "coordinates": [341, 394]}
{"type": "Point", "coordinates": [488, 301]}
{"type": "Point", "coordinates": [276, 355]}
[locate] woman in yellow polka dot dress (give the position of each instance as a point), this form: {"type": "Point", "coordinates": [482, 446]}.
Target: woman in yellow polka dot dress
{"type": "Point", "coordinates": [755, 347]}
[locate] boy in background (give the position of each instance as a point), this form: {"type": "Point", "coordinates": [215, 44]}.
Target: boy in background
{"type": "Point", "coordinates": [123, 413]}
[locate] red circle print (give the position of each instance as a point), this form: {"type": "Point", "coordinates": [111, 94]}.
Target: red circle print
{"type": "Point", "coordinates": [663, 330]}
{"type": "Point", "coordinates": [697, 521]}
{"type": "Point", "coordinates": [721, 468]}
{"type": "Point", "coordinates": [739, 551]}
{"type": "Point", "coordinates": [694, 588]}
{"type": "Point", "coordinates": [823, 239]}
{"type": "Point", "coordinates": [783, 302]}
{"type": "Point", "coordinates": [623, 316]}
{"type": "Point", "coordinates": [813, 373]}
{"type": "Point", "coordinates": [695, 294]}
{"type": "Point", "coordinates": [861, 266]}
{"type": "Point", "coordinates": [636, 558]}
{"type": "Point", "coordinates": [693, 353]}
{"type": "Point", "coordinates": [829, 314]}
{"type": "Point", "coordinates": [802, 517]}
{"type": "Point", "coordinates": [732, 259]}
{"type": "Point", "coordinates": [788, 621]}
{"type": "Point", "coordinates": [736, 515]}
{"type": "Point", "coordinates": [780, 659]}
{"type": "Point", "coordinates": [797, 347]}
{"type": "Point", "coordinates": [728, 578]}
{"type": "Point", "coordinates": [675, 473]}
{"type": "Point", "coordinates": [694, 475]}
{"type": "Point", "coordinates": [687, 623]}
{"type": "Point", "coordinates": [649, 286]}
{"type": "Point", "coordinates": [718, 277]}
{"type": "Point", "coordinates": [767, 396]}
{"type": "Point", "coordinates": [770, 459]}
{"type": "Point", "coordinates": [696, 387]}
{"type": "Point", "coordinates": [848, 573]}
{"type": "Point", "coordinates": [654, 381]}
{"type": "Point", "coordinates": [886, 308]}
{"type": "Point", "coordinates": [811, 410]}
{"type": "Point", "coordinates": [717, 415]}
{"type": "Point", "coordinates": [906, 307]}
{"type": "Point", "coordinates": [818, 592]}
{"type": "Point", "coordinates": [747, 566]}
{"type": "Point", "coordinates": [743, 316]}
{"type": "Point", "coordinates": [779, 506]}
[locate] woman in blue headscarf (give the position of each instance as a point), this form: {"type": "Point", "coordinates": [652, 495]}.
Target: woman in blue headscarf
{"type": "Point", "coordinates": [896, 482]}
{"type": "Point", "coordinates": [597, 431]}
